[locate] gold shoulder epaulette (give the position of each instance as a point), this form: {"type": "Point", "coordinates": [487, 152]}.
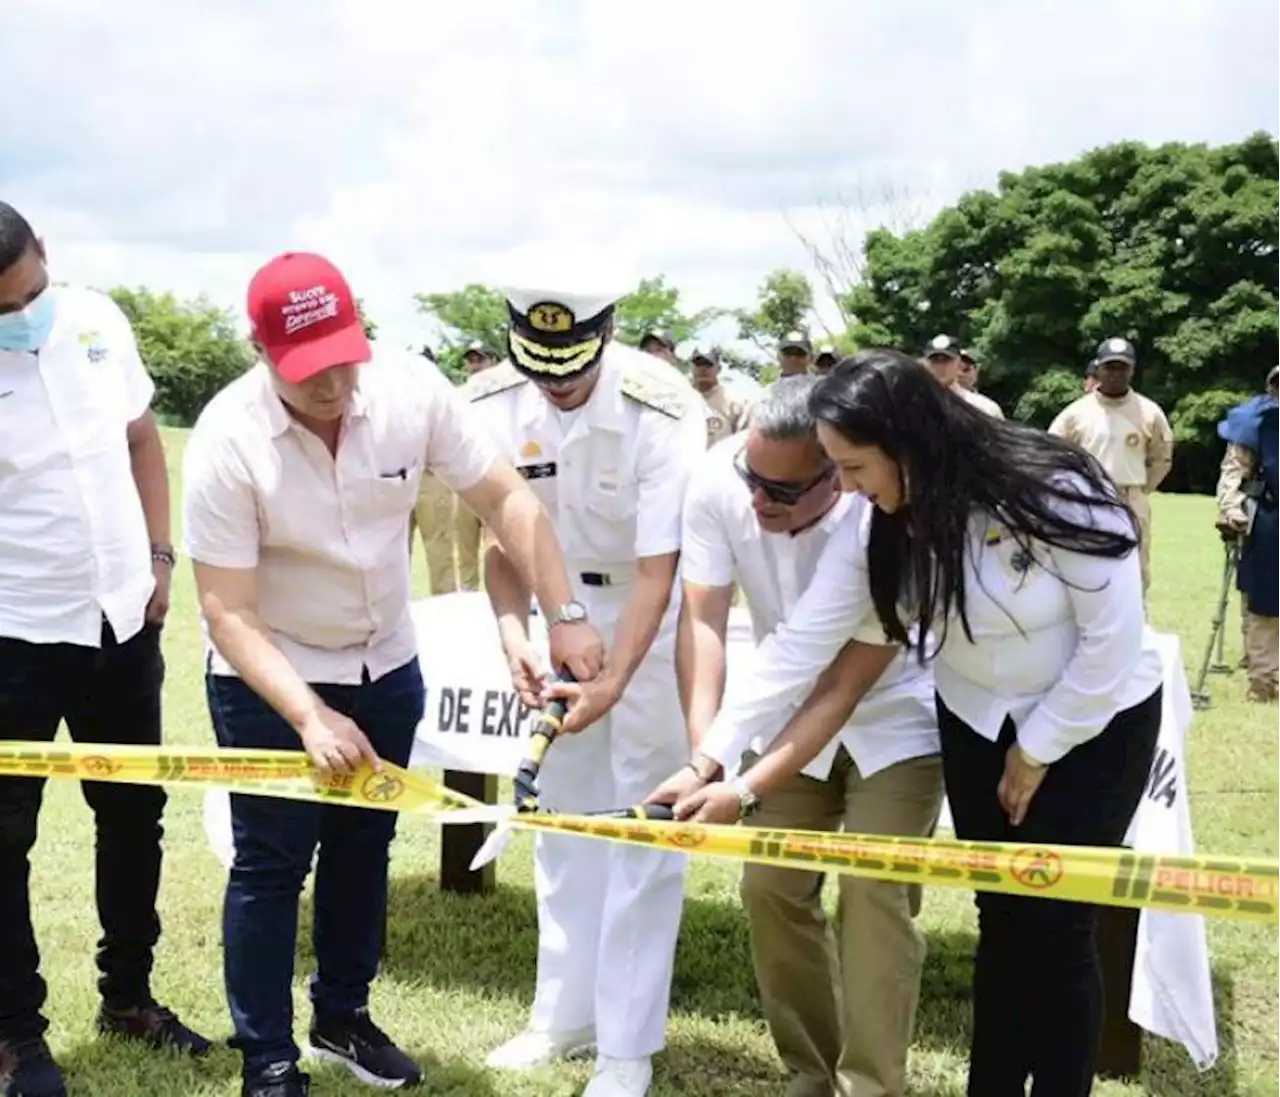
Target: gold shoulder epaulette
{"type": "Point", "coordinates": [495, 379]}
{"type": "Point", "coordinates": [671, 396]}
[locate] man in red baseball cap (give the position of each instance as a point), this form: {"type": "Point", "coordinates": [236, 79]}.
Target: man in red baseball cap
{"type": "Point", "coordinates": [298, 485]}
{"type": "Point", "coordinates": [306, 327]}
{"type": "Point", "coordinates": [305, 318]}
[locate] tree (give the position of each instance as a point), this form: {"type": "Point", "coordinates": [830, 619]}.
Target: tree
{"type": "Point", "coordinates": [836, 248]}
{"type": "Point", "coordinates": [190, 348]}
{"type": "Point", "coordinates": [784, 303]}
{"type": "Point", "coordinates": [473, 313]}
{"type": "Point", "coordinates": [1174, 247]}
{"type": "Point", "coordinates": [652, 305]}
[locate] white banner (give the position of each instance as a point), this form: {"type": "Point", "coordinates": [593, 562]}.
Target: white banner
{"type": "Point", "coordinates": [474, 721]}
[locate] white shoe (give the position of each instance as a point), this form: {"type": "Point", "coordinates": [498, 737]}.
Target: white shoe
{"type": "Point", "coordinates": [534, 1049]}
{"type": "Point", "coordinates": [620, 1078]}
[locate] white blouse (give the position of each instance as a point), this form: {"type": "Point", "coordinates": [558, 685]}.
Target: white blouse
{"type": "Point", "coordinates": [1060, 641]}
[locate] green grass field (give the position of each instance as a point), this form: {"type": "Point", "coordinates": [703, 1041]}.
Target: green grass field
{"type": "Point", "coordinates": [458, 972]}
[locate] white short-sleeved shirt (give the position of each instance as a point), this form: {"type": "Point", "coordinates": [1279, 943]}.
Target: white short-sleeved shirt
{"type": "Point", "coordinates": [612, 473]}
{"type": "Point", "coordinates": [1084, 652]}
{"type": "Point", "coordinates": [73, 537]}
{"type": "Point", "coordinates": [723, 541]}
{"type": "Point", "coordinates": [328, 536]}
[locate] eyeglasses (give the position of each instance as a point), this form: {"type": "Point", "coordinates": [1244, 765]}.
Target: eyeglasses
{"type": "Point", "coordinates": [788, 493]}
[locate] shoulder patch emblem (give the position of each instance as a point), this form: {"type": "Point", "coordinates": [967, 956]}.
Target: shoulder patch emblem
{"type": "Point", "coordinates": [656, 393]}
{"type": "Point", "coordinates": [494, 380]}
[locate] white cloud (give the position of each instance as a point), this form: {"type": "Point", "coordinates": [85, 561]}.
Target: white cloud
{"type": "Point", "coordinates": [416, 144]}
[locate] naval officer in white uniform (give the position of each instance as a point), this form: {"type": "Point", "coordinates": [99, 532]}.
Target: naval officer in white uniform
{"type": "Point", "coordinates": [608, 437]}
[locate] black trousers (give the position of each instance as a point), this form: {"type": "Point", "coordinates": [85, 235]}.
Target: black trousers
{"type": "Point", "coordinates": [105, 695]}
{"type": "Point", "coordinates": [1037, 984]}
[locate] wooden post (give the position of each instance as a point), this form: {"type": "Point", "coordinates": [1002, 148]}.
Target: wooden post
{"type": "Point", "coordinates": [459, 844]}
{"type": "Point", "coordinates": [1120, 1055]}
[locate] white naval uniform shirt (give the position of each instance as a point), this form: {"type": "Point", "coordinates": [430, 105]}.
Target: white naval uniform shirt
{"type": "Point", "coordinates": [328, 535]}
{"type": "Point", "coordinates": [896, 720]}
{"type": "Point", "coordinates": [612, 473]}
{"type": "Point", "coordinates": [1084, 653]}
{"type": "Point", "coordinates": [73, 537]}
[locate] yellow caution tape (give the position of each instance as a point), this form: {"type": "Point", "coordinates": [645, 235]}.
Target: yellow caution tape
{"type": "Point", "coordinates": [281, 773]}
{"type": "Point", "coordinates": [1243, 889]}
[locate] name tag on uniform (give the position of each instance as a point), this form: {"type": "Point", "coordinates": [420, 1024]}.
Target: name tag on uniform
{"type": "Point", "coordinates": [543, 471]}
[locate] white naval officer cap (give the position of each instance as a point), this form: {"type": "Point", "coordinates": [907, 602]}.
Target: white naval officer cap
{"type": "Point", "coordinates": [559, 303]}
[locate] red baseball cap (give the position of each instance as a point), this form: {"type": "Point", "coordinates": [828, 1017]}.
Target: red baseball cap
{"type": "Point", "coordinates": [302, 313]}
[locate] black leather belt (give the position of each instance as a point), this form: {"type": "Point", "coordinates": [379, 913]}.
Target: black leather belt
{"type": "Point", "coordinates": [595, 579]}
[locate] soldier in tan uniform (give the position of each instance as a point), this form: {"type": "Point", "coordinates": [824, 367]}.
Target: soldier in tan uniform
{"type": "Point", "coordinates": [445, 523]}
{"type": "Point", "coordinates": [727, 413]}
{"type": "Point", "coordinates": [659, 343]}
{"type": "Point", "coordinates": [1247, 508]}
{"type": "Point", "coordinates": [1126, 432]}
{"type": "Point", "coordinates": [795, 354]}
{"type": "Point", "coordinates": [944, 357]}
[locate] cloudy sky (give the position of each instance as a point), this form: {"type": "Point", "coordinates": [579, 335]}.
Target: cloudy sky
{"type": "Point", "coordinates": [423, 145]}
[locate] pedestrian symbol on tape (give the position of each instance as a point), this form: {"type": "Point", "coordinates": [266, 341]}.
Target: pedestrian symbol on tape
{"type": "Point", "coordinates": [1036, 868]}
{"type": "Point", "coordinates": [382, 788]}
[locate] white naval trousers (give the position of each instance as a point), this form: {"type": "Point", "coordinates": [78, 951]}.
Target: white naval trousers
{"type": "Point", "coordinates": [609, 913]}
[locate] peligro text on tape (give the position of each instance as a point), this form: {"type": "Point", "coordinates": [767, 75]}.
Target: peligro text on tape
{"type": "Point", "coordinates": [1242, 889]}
{"type": "Point", "coordinates": [284, 774]}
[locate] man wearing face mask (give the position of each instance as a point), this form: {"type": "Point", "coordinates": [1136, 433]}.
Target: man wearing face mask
{"type": "Point", "coordinates": [299, 479]}
{"type": "Point", "coordinates": [85, 563]}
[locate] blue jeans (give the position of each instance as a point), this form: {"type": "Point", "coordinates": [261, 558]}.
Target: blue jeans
{"type": "Point", "coordinates": [275, 841]}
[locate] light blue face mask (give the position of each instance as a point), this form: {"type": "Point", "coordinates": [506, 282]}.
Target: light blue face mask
{"type": "Point", "coordinates": [28, 328]}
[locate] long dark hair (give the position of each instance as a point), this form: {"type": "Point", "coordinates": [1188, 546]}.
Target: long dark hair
{"type": "Point", "coordinates": [956, 459]}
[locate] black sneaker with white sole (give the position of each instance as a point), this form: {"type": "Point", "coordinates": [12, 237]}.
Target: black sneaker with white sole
{"type": "Point", "coordinates": [278, 1080]}
{"type": "Point", "coordinates": [354, 1041]}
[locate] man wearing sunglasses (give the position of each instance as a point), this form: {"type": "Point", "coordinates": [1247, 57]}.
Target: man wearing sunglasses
{"type": "Point", "coordinates": [760, 510]}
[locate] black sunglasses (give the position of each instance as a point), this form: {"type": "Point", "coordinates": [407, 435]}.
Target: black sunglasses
{"type": "Point", "coordinates": [779, 491]}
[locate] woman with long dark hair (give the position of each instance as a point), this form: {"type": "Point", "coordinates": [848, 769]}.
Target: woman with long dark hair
{"type": "Point", "coordinates": [1006, 558]}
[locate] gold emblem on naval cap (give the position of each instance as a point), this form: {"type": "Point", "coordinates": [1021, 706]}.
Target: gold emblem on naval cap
{"type": "Point", "coordinates": [550, 316]}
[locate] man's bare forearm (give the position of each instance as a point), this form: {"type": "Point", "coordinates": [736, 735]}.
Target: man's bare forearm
{"type": "Point", "coordinates": [509, 595]}
{"type": "Point", "coordinates": [524, 531]}
{"type": "Point", "coordinates": [151, 476]}
{"type": "Point", "coordinates": [700, 670]}
{"type": "Point", "coordinates": [244, 642]}
{"type": "Point", "coordinates": [640, 619]}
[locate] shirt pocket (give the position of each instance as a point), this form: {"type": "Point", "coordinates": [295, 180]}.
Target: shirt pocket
{"type": "Point", "coordinates": [609, 488]}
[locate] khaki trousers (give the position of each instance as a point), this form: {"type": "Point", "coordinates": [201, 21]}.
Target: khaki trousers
{"type": "Point", "coordinates": [446, 524]}
{"type": "Point", "coordinates": [1262, 641]}
{"type": "Point", "coordinates": [1140, 501]}
{"type": "Point", "coordinates": [841, 1000]}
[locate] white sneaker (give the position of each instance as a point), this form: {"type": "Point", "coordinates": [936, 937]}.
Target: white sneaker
{"type": "Point", "coordinates": [620, 1078]}
{"type": "Point", "coordinates": [534, 1049]}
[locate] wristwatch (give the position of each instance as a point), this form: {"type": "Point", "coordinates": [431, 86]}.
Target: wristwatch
{"type": "Point", "coordinates": [571, 613]}
{"type": "Point", "coordinates": [749, 802]}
